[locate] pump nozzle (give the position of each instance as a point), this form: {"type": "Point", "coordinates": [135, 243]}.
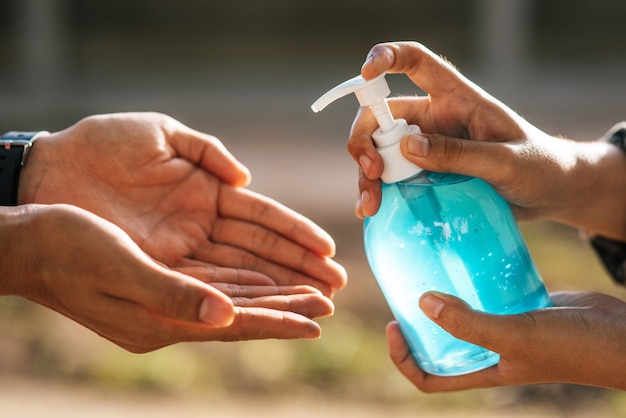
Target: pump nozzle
{"type": "Point", "coordinates": [373, 93]}
{"type": "Point", "coordinates": [369, 93]}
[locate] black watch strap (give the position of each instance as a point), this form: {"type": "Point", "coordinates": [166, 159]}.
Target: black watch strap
{"type": "Point", "coordinates": [14, 147]}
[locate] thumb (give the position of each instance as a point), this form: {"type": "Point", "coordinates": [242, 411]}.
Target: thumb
{"type": "Point", "coordinates": [459, 319]}
{"type": "Point", "coordinates": [180, 298]}
{"type": "Point", "coordinates": [444, 154]}
{"type": "Point", "coordinates": [210, 153]}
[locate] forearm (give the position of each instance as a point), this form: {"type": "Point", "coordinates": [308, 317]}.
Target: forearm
{"type": "Point", "coordinates": [594, 192]}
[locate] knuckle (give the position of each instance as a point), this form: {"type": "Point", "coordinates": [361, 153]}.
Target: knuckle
{"type": "Point", "coordinates": [353, 146]}
{"type": "Point", "coordinates": [174, 299]}
{"type": "Point", "coordinates": [260, 208]}
{"type": "Point", "coordinates": [250, 261]}
{"type": "Point", "coordinates": [358, 144]}
{"type": "Point", "coordinates": [239, 330]}
{"type": "Point", "coordinates": [508, 156]}
{"type": "Point", "coordinates": [264, 238]}
{"type": "Point", "coordinates": [452, 151]}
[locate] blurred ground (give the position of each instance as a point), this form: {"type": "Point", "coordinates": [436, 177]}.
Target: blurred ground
{"type": "Point", "coordinates": [30, 399]}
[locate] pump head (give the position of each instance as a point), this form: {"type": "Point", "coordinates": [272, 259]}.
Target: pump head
{"type": "Point", "coordinates": [373, 93]}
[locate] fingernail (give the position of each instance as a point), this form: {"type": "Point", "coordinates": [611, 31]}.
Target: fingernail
{"type": "Point", "coordinates": [365, 162]}
{"type": "Point", "coordinates": [418, 145]}
{"type": "Point", "coordinates": [215, 312]}
{"type": "Point", "coordinates": [358, 208]}
{"type": "Point", "coordinates": [365, 198]}
{"type": "Point", "coordinates": [432, 306]}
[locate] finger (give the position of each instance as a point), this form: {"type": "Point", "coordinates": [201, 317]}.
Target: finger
{"type": "Point", "coordinates": [209, 153]}
{"type": "Point", "coordinates": [269, 245]}
{"type": "Point", "coordinates": [492, 161]}
{"type": "Point", "coordinates": [418, 110]}
{"type": "Point", "coordinates": [405, 363]}
{"type": "Point", "coordinates": [303, 300]}
{"type": "Point", "coordinates": [256, 323]}
{"type": "Point", "coordinates": [213, 274]}
{"type": "Point", "coordinates": [148, 331]}
{"type": "Point", "coordinates": [233, 257]}
{"type": "Point", "coordinates": [370, 196]}
{"type": "Point", "coordinates": [245, 205]}
{"type": "Point", "coordinates": [175, 296]}
{"type": "Point", "coordinates": [249, 324]}
{"type": "Point", "coordinates": [493, 332]}
{"type": "Point", "coordinates": [401, 354]}
{"type": "Point", "coordinates": [427, 70]}
{"type": "Point", "coordinates": [360, 144]}
{"type": "Point", "coordinates": [246, 291]}
{"type": "Point", "coordinates": [361, 147]}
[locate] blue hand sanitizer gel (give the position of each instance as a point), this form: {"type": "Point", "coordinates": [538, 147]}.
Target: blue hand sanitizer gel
{"type": "Point", "coordinates": [444, 232]}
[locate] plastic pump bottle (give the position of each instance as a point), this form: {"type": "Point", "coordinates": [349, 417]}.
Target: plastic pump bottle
{"type": "Point", "coordinates": [439, 231]}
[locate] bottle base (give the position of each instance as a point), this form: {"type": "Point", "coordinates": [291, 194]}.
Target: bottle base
{"type": "Point", "coordinates": [461, 363]}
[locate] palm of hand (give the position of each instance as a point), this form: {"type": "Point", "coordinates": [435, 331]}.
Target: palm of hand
{"type": "Point", "coordinates": [173, 191]}
{"type": "Point", "coordinates": [130, 175]}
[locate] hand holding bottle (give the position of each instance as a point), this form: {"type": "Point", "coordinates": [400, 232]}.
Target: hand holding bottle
{"type": "Point", "coordinates": [541, 176]}
{"type": "Point", "coordinates": [581, 341]}
{"type": "Point", "coordinates": [466, 131]}
{"type": "Point", "coordinates": [439, 231]}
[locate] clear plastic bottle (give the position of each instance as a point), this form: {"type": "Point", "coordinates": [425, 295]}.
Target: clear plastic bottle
{"type": "Point", "coordinates": [444, 232]}
{"type": "Point", "coordinates": [456, 235]}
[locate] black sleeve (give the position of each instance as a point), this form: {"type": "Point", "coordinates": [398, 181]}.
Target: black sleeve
{"type": "Point", "coordinates": [611, 252]}
{"type": "Point", "coordinates": [613, 256]}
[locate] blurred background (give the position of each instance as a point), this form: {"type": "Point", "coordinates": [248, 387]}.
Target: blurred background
{"type": "Point", "coordinates": [247, 72]}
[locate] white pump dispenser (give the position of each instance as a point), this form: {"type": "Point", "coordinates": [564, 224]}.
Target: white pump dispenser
{"type": "Point", "coordinates": [387, 137]}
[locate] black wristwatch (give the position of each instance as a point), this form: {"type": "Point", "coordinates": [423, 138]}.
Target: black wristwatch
{"type": "Point", "coordinates": [14, 148]}
{"type": "Point", "coordinates": [612, 252]}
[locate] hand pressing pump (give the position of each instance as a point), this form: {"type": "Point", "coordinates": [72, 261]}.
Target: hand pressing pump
{"type": "Point", "coordinates": [444, 232]}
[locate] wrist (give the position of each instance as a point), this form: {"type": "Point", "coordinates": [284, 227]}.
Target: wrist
{"type": "Point", "coordinates": [18, 254]}
{"type": "Point", "coordinates": [605, 198]}
{"type": "Point", "coordinates": [593, 197]}
{"type": "Point", "coordinates": [34, 170]}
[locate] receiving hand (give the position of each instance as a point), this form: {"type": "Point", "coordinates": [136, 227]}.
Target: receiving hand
{"type": "Point", "coordinates": [162, 244]}
{"type": "Point", "coordinates": [89, 270]}
{"type": "Point", "coordinates": [580, 340]}
{"type": "Point", "coordinates": [176, 192]}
